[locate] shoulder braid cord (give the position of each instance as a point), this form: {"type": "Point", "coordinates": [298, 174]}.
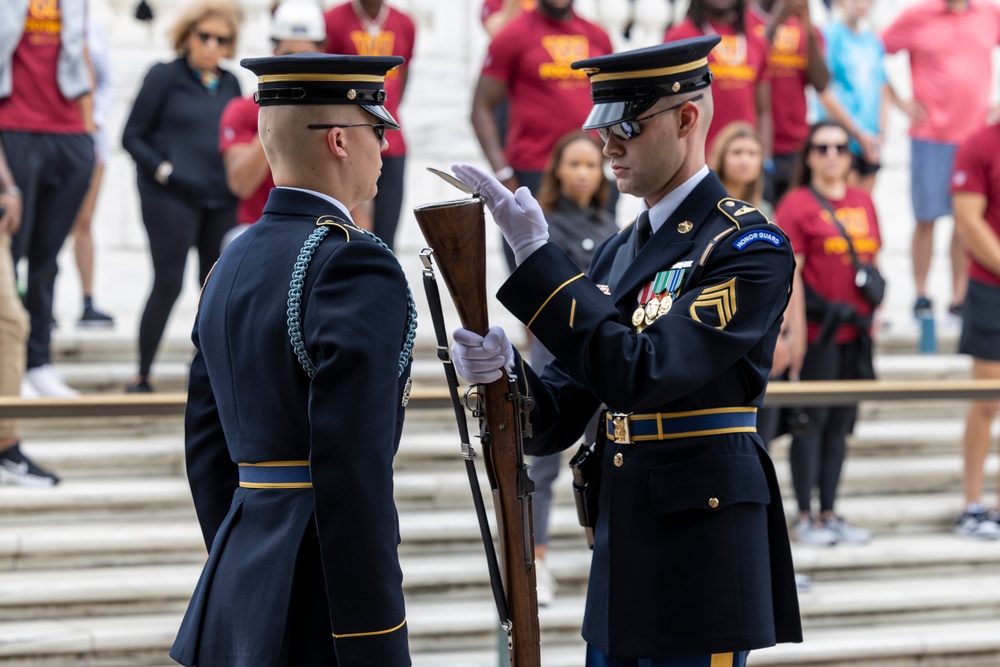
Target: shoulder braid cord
{"type": "Point", "coordinates": [295, 298]}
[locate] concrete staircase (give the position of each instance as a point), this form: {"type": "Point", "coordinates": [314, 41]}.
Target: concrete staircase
{"type": "Point", "coordinates": [98, 570]}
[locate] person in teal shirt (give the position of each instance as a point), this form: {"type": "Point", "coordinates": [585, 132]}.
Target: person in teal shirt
{"type": "Point", "coordinates": [859, 92]}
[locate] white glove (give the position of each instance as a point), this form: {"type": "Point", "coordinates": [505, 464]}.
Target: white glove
{"type": "Point", "coordinates": [478, 360]}
{"type": "Point", "coordinates": [517, 214]}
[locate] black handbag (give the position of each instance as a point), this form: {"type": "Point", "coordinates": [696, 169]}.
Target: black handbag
{"type": "Point", "coordinates": [867, 277]}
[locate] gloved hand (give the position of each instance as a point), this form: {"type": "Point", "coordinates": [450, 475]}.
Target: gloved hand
{"type": "Point", "coordinates": [478, 359]}
{"type": "Point", "coordinates": [517, 214]}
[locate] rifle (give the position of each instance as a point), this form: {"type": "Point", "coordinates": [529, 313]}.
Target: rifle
{"type": "Point", "coordinates": [456, 233]}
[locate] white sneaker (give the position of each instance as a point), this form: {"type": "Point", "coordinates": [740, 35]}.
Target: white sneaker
{"type": "Point", "coordinates": [847, 533]}
{"type": "Point", "coordinates": [545, 584]}
{"type": "Point", "coordinates": [27, 389]}
{"type": "Point", "coordinates": [813, 533]}
{"type": "Point", "coordinates": [47, 382]}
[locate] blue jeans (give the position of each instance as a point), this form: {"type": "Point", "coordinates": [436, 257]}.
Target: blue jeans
{"type": "Point", "coordinates": [739, 659]}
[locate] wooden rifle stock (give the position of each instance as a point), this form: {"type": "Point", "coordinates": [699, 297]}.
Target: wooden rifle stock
{"type": "Point", "coordinates": [456, 231]}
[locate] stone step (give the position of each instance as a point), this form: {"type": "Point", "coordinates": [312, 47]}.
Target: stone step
{"type": "Point", "coordinates": [945, 644]}
{"type": "Point", "coordinates": [449, 624]}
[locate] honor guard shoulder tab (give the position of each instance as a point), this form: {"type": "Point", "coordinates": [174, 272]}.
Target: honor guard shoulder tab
{"type": "Point", "coordinates": [741, 213]}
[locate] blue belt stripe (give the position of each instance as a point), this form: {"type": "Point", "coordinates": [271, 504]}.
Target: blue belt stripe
{"type": "Point", "coordinates": [646, 427]}
{"type": "Point", "coordinates": [257, 474]}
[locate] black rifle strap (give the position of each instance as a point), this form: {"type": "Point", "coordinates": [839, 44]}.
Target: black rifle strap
{"type": "Point", "coordinates": [443, 353]}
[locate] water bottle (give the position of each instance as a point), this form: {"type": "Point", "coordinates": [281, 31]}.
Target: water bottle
{"type": "Point", "coordinates": [928, 340]}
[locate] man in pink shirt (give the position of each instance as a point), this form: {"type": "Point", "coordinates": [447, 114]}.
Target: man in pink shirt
{"type": "Point", "coordinates": [950, 43]}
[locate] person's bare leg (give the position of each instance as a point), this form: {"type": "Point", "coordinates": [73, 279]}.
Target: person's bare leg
{"type": "Point", "coordinates": [83, 241]}
{"type": "Point", "coordinates": [921, 251]}
{"type": "Point", "coordinates": [976, 441]}
{"type": "Point", "coordinates": [959, 269]}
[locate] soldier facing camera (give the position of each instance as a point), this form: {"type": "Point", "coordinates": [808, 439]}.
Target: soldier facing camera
{"type": "Point", "coordinates": [670, 336]}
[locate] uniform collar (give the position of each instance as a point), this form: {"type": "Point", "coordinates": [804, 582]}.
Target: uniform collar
{"type": "Point", "coordinates": [328, 198]}
{"type": "Point", "coordinates": [663, 209]}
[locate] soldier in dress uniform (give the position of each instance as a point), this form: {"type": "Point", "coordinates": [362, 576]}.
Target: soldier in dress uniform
{"type": "Point", "coordinates": [297, 392]}
{"type": "Point", "coordinates": [671, 333]}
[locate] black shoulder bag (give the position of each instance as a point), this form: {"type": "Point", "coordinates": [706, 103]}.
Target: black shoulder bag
{"type": "Point", "coordinates": [866, 275]}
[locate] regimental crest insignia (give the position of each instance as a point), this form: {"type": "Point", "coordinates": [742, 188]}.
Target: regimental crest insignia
{"type": "Point", "coordinates": [716, 305]}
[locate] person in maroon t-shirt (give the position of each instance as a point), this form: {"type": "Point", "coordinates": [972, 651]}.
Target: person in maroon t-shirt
{"type": "Point", "coordinates": [529, 63]}
{"type": "Point", "coordinates": [738, 63]}
{"type": "Point", "coordinates": [794, 60]}
{"type": "Point", "coordinates": [373, 28]}
{"type": "Point", "coordinates": [296, 27]}
{"type": "Point", "coordinates": [975, 188]}
{"type": "Point", "coordinates": [838, 316]}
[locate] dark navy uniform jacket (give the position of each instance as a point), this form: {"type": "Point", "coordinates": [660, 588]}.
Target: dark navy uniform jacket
{"type": "Point", "coordinates": [691, 550]}
{"type": "Point", "coordinates": [296, 576]}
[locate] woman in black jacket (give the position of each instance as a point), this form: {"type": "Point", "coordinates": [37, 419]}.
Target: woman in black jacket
{"type": "Point", "coordinates": [172, 134]}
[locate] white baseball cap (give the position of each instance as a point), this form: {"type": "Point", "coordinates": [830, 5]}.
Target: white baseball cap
{"type": "Point", "coordinates": [298, 19]}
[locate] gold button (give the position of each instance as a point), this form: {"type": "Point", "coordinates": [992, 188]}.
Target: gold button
{"type": "Point", "coordinates": [730, 203]}
{"type": "Point", "coordinates": [713, 502]}
{"type": "Point", "coordinates": [619, 460]}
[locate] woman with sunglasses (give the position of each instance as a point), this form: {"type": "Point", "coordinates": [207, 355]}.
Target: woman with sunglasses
{"type": "Point", "coordinates": [172, 134]}
{"type": "Point", "coordinates": [838, 318]}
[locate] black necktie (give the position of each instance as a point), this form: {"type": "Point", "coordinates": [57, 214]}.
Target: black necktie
{"type": "Point", "coordinates": [643, 230]}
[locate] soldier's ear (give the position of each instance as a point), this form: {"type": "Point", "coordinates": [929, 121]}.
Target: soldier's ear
{"type": "Point", "coordinates": [335, 141]}
{"type": "Point", "coordinates": [687, 119]}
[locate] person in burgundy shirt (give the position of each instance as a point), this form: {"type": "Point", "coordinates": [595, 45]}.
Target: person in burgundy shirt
{"type": "Point", "coordinates": [297, 26]}
{"type": "Point", "coordinates": [528, 62]}
{"type": "Point", "coordinates": [373, 28]}
{"type": "Point", "coordinates": [951, 45]}
{"type": "Point", "coordinates": [741, 89]}
{"type": "Point", "coordinates": [838, 318]}
{"type": "Point", "coordinates": [975, 188]}
{"type": "Point", "coordinates": [794, 61]}
{"type": "Point", "coordinates": [45, 119]}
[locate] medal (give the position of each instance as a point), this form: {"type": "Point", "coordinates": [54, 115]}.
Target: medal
{"type": "Point", "coordinates": [665, 303]}
{"type": "Point", "coordinates": [638, 316]}
{"type": "Point", "coordinates": [652, 308]}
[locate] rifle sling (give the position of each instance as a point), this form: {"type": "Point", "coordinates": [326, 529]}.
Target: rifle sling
{"type": "Point", "coordinates": [492, 563]}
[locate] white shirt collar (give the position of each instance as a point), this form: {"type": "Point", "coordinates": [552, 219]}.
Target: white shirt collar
{"type": "Point", "coordinates": [322, 196]}
{"type": "Point", "coordinates": [663, 209]}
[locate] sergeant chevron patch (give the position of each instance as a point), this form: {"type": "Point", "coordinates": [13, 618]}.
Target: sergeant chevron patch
{"type": "Point", "coordinates": [716, 305]}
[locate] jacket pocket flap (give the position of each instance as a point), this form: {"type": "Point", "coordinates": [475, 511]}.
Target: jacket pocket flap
{"type": "Point", "coordinates": [711, 484]}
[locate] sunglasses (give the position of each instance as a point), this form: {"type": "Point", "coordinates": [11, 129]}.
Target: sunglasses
{"type": "Point", "coordinates": [827, 149]}
{"type": "Point", "coordinates": [630, 129]}
{"type": "Point", "coordinates": [378, 127]}
{"type": "Point", "coordinates": [206, 37]}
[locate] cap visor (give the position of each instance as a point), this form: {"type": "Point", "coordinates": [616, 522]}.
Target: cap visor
{"type": "Point", "coordinates": [609, 113]}
{"type": "Point", "coordinates": [382, 114]}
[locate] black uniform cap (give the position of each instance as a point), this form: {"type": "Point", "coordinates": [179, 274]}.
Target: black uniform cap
{"type": "Point", "coordinates": [322, 78]}
{"type": "Point", "coordinates": [623, 85]}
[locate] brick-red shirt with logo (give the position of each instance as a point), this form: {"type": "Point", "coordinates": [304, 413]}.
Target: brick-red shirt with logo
{"type": "Point", "coordinates": [738, 64]}
{"type": "Point", "coordinates": [396, 36]}
{"type": "Point", "coordinates": [238, 125]}
{"type": "Point", "coordinates": [532, 56]}
{"type": "Point", "coordinates": [828, 268]}
{"type": "Point", "coordinates": [36, 103]}
{"type": "Point", "coordinates": [787, 65]}
{"type": "Point", "coordinates": [977, 170]}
